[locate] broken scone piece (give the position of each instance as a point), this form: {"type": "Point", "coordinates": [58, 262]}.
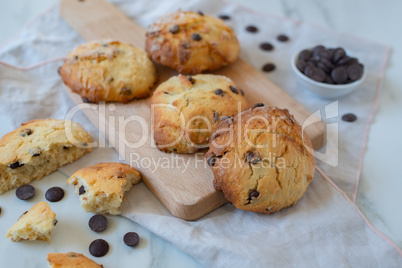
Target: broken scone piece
{"type": "Point", "coordinates": [38, 148]}
{"type": "Point", "coordinates": [35, 224]}
{"type": "Point", "coordinates": [102, 187]}
{"type": "Point", "coordinates": [70, 260]}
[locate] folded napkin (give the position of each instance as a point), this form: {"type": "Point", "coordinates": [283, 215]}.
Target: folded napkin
{"type": "Point", "coordinates": [324, 228]}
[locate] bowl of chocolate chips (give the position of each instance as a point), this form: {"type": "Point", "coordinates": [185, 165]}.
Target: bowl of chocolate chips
{"type": "Point", "coordinates": [328, 72]}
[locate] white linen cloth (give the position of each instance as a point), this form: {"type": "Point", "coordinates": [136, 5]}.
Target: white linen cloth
{"type": "Point", "coordinates": [323, 229]}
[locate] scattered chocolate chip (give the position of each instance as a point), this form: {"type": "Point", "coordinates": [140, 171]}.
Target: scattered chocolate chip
{"type": "Point", "coordinates": [85, 100]}
{"type": "Point", "coordinates": [355, 71]}
{"type": "Point", "coordinates": [349, 117]}
{"type": "Point", "coordinates": [15, 165]}
{"type": "Point", "coordinates": [339, 75]}
{"type": "Point", "coordinates": [251, 29]}
{"type": "Point", "coordinates": [191, 79]}
{"type": "Point", "coordinates": [35, 152]}
{"type": "Point", "coordinates": [201, 13]}
{"type": "Point", "coordinates": [25, 192]}
{"type": "Point", "coordinates": [224, 17]}
{"type": "Point", "coordinates": [219, 92]}
{"type": "Point", "coordinates": [258, 105]}
{"type": "Point", "coordinates": [131, 239]}
{"type": "Point", "coordinates": [26, 132]}
{"type": "Point", "coordinates": [282, 38]}
{"type": "Point", "coordinates": [196, 37]}
{"type": "Point", "coordinates": [174, 29]}
{"type": "Point", "coordinates": [234, 89]}
{"type": "Point", "coordinates": [266, 46]}
{"type": "Point", "coordinates": [254, 194]}
{"type": "Point", "coordinates": [126, 91]}
{"type": "Point", "coordinates": [99, 248]}
{"type": "Point", "coordinates": [98, 223]}
{"type": "Point", "coordinates": [54, 194]}
{"type": "Point", "coordinates": [269, 67]}
{"type": "Point", "coordinates": [253, 158]}
{"type": "Point", "coordinates": [242, 92]}
{"type": "Point", "coordinates": [211, 161]}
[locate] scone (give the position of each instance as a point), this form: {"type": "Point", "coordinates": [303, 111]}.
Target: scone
{"type": "Point", "coordinates": [102, 187]}
{"type": "Point", "coordinates": [109, 71]}
{"type": "Point", "coordinates": [70, 260]}
{"type": "Point", "coordinates": [192, 42]}
{"type": "Point", "coordinates": [38, 148]}
{"type": "Point", "coordinates": [186, 109]}
{"type": "Point", "coordinates": [261, 160]}
{"type": "Point", "coordinates": [35, 224]}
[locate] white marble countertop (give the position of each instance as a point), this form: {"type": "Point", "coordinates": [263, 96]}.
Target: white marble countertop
{"type": "Point", "coordinates": [379, 194]}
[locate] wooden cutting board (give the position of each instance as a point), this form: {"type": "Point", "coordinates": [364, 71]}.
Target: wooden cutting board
{"type": "Point", "coordinates": [188, 193]}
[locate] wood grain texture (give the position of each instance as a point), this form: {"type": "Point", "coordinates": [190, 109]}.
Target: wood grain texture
{"type": "Point", "coordinates": [188, 193]}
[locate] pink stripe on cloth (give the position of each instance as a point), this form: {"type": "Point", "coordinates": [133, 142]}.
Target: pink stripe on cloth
{"type": "Point", "coordinates": [30, 67]}
{"type": "Point", "coordinates": [322, 174]}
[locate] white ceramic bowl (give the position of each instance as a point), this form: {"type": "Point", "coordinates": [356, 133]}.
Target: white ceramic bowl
{"type": "Point", "coordinates": [327, 91]}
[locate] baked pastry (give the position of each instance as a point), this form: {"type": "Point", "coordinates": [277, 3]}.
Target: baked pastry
{"type": "Point", "coordinates": [261, 160]}
{"type": "Point", "coordinates": [70, 260]}
{"type": "Point", "coordinates": [38, 148]}
{"type": "Point", "coordinates": [108, 71]}
{"type": "Point", "coordinates": [192, 42]}
{"type": "Point", "coordinates": [186, 109]}
{"type": "Point", "coordinates": [35, 224]}
{"type": "Point", "coordinates": [102, 187]}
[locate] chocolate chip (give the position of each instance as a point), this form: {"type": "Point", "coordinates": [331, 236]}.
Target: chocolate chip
{"type": "Point", "coordinates": [301, 65]}
{"type": "Point", "coordinates": [99, 248]}
{"type": "Point", "coordinates": [25, 192]}
{"type": "Point", "coordinates": [191, 79]}
{"type": "Point", "coordinates": [26, 132]}
{"type": "Point", "coordinates": [55, 222]}
{"type": "Point", "coordinates": [283, 38]}
{"type": "Point", "coordinates": [111, 79]}
{"type": "Point", "coordinates": [105, 45]}
{"type": "Point", "coordinates": [85, 144]}
{"type": "Point", "coordinates": [22, 214]}
{"type": "Point", "coordinates": [254, 194]}
{"type": "Point", "coordinates": [15, 165]}
{"type": "Point", "coordinates": [242, 92]}
{"type": "Point", "coordinates": [258, 105]}
{"type": "Point", "coordinates": [251, 29]}
{"type": "Point", "coordinates": [98, 223]}
{"type": "Point", "coordinates": [224, 17]}
{"type": "Point", "coordinates": [355, 71]}
{"type": "Point", "coordinates": [349, 117]}
{"type": "Point", "coordinates": [65, 147]}
{"type": "Point", "coordinates": [345, 60]}
{"type": "Point", "coordinates": [131, 239]}
{"type": "Point", "coordinates": [266, 46]}
{"type": "Point", "coordinates": [196, 37]}
{"type": "Point", "coordinates": [174, 29]}
{"type": "Point", "coordinates": [76, 57]}
{"type": "Point", "coordinates": [321, 66]}
{"type": "Point", "coordinates": [219, 92]}
{"type": "Point", "coordinates": [82, 190]}
{"type": "Point", "coordinates": [328, 80]}
{"type": "Point", "coordinates": [35, 152]}
{"type": "Point", "coordinates": [225, 118]}
{"type": "Point", "coordinates": [54, 194]}
{"type": "Point", "coordinates": [85, 100]}
{"type": "Point", "coordinates": [253, 158]}
{"type": "Point", "coordinates": [269, 67]}
{"type": "Point", "coordinates": [327, 63]}
{"type": "Point", "coordinates": [315, 73]}
{"type": "Point", "coordinates": [339, 53]}
{"type": "Point", "coordinates": [216, 116]}
{"type": "Point", "coordinates": [234, 89]}
{"type": "Point", "coordinates": [339, 75]}
{"type": "Point", "coordinates": [126, 91]}
{"type": "Point", "coordinates": [305, 55]}
{"type": "Point", "coordinates": [211, 161]}
{"type": "Point", "coordinates": [201, 13]}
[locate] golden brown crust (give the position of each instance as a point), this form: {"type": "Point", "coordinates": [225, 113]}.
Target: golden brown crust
{"type": "Point", "coordinates": [260, 159]}
{"type": "Point", "coordinates": [199, 42]}
{"type": "Point", "coordinates": [70, 260]}
{"type": "Point", "coordinates": [109, 71]}
{"type": "Point", "coordinates": [185, 110]}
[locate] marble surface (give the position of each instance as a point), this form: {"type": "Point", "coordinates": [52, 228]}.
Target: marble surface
{"type": "Point", "coordinates": [379, 194]}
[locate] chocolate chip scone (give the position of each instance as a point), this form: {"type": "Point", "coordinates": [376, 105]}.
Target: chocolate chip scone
{"type": "Point", "coordinates": [109, 71]}
{"type": "Point", "coordinates": [102, 187]}
{"type": "Point", "coordinates": [192, 42]}
{"type": "Point", "coordinates": [70, 260]}
{"type": "Point", "coordinates": [261, 160]}
{"type": "Point", "coordinates": [186, 109]}
{"type": "Point", "coordinates": [35, 224]}
{"type": "Point", "coordinates": [38, 148]}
